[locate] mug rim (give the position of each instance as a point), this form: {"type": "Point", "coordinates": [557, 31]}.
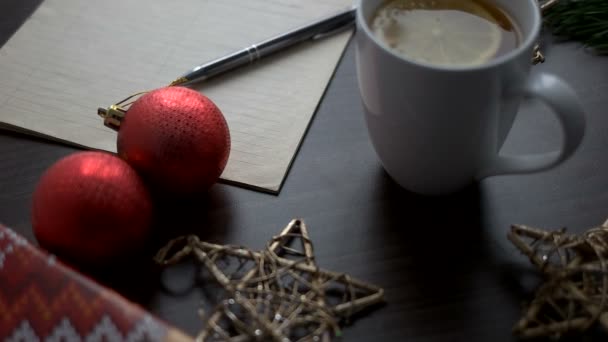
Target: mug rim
{"type": "Point", "coordinates": [522, 48]}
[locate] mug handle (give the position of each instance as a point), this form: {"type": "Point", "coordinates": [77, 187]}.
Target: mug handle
{"type": "Point", "coordinates": [564, 103]}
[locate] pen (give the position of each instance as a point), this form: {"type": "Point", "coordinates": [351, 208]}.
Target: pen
{"type": "Point", "coordinates": [114, 114]}
{"type": "Point", "coordinates": [315, 30]}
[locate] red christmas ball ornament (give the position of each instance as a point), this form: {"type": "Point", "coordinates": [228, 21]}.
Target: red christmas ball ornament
{"type": "Point", "coordinates": [91, 207]}
{"type": "Point", "coordinates": [176, 138]}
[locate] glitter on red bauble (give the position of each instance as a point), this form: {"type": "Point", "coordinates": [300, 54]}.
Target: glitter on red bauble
{"type": "Point", "coordinates": [91, 208]}
{"type": "Point", "coordinates": [176, 138]}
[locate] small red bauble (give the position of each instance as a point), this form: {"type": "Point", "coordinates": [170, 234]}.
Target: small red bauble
{"type": "Point", "coordinates": [176, 138]}
{"type": "Point", "coordinates": [91, 207]}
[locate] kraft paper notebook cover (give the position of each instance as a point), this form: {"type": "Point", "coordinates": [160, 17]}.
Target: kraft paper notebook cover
{"type": "Point", "coordinates": [71, 57]}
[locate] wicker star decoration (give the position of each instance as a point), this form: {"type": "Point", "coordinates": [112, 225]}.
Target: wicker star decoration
{"type": "Point", "coordinates": [277, 294]}
{"type": "Point", "coordinates": [574, 294]}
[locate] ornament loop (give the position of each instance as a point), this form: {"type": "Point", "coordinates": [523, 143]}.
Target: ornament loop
{"type": "Point", "coordinates": [113, 115]}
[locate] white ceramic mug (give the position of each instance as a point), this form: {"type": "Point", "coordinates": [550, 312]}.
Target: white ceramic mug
{"type": "Point", "coordinates": [437, 129]}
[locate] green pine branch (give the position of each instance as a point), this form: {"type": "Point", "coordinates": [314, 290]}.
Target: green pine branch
{"type": "Point", "coordinates": [582, 20]}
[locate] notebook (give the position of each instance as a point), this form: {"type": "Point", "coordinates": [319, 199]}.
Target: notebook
{"type": "Point", "coordinates": [71, 57]}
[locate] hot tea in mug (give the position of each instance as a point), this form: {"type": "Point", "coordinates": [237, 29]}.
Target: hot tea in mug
{"type": "Point", "coordinates": [445, 32]}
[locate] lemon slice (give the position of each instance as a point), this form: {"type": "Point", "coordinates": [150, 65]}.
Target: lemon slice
{"type": "Point", "coordinates": [447, 32]}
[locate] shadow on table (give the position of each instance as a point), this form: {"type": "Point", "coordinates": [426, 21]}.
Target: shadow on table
{"type": "Point", "coordinates": [443, 282]}
{"type": "Point", "coordinates": [433, 227]}
{"type": "Point", "coordinates": [139, 277]}
{"type": "Point", "coordinates": [450, 280]}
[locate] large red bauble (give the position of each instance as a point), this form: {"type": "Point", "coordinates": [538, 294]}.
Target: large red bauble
{"type": "Point", "coordinates": [176, 138]}
{"type": "Point", "coordinates": [91, 208]}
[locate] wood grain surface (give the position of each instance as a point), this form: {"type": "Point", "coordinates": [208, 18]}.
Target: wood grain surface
{"type": "Point", "coordinates": [448, 270]}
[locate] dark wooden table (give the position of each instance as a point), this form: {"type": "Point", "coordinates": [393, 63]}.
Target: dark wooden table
{"type": "Point", "coordinates": [447, 268]}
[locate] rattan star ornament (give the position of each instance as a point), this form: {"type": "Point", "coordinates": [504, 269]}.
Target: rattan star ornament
{"type": "Point", "coordinates": [277, 294]}
{"type": "Point", "coordinates": [574, 294]}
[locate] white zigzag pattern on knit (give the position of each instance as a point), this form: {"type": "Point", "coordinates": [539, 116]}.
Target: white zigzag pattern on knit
{"type": "Point", "coordinates": [24, 333]}
{"type": "Point", "coordinates": [7, 250]}
{"type": "Point", "coordinates": [64, 332]}
{"type": "Point", "coordinates": [14, 242]}
{"type": "Point", "coordinates": [145, 330]}
{"type": "Point", "coordinates": [105, 330]}
{"type": "Point", "coordinates": [11, 235]}
{"type": "Point", "coordinates": [3, 254]}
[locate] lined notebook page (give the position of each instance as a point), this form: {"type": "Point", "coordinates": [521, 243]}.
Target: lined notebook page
{"type": "Point", "coordinates": [73, 56]}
